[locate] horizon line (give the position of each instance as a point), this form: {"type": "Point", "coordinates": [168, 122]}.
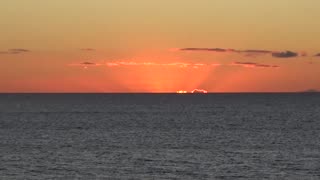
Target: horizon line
{"type": "Point", "coordinates": [249, 92]}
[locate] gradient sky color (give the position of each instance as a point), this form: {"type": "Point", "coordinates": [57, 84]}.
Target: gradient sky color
{"type": "Point", "coordinates": [159, 46]}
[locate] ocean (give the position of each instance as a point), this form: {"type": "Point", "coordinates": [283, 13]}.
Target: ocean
{"type": "Point", "coordinates": [160, 136]}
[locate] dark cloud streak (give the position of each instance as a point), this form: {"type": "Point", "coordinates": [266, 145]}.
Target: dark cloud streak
{"type": "Point", "coordinates": [207, 49]}
{"type": "Point", "coordinates": [88, 63]}
{"type": "Point", "coordinates": [19, 50]}
{"type": "Point", "coordinates": [15, 51]}
{"type": "Point", "coordinates": [87, 49]}
{"type": "Point", "coordinates": [255, 51]}
{"type": "Point", "coordinates": [228, 50]}
{"type": "Point", "coordinates": [249, 52]}
{"type": "Point", "coordinates": [285, 54]}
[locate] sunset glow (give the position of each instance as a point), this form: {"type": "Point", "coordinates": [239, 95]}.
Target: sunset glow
{"type": "Point", "coordinates": [165, 46]}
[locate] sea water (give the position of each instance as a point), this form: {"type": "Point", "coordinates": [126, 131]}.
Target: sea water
{"type": "Point", "coordinates": [160, 136]}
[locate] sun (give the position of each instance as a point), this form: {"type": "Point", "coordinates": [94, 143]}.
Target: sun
{"type": "Point", "coordinates": [182, 92]}
{"type": "Point", "coordinates": [199, 91]}
{"type": "Point", "coordinates": [195, 91]}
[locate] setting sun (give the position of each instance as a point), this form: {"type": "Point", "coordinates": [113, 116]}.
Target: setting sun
{"type": "Point", "coordinates": [182, 92]}
{"type": "Point", "coordinates": [199, 91]}
{"type": "Point", "coordinates": [193, 91]}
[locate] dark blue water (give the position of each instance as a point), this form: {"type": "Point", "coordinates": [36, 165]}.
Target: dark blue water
{"type": "Point", "coordinates": [160, 136]}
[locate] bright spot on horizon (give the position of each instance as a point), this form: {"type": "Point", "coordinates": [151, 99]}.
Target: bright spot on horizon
{"type": "Point", "coordinates": [199, 91]}
{"type": "Point", "coordinates": [193, 91]}
{"type": "Point", "coordinates": [182, 92]}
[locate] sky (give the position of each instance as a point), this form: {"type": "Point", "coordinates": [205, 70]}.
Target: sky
{"type": "Point", "coordinates": [159, 46]}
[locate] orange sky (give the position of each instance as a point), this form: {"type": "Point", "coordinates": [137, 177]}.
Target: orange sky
{"type": "Point", "coordinates": [162, 46]}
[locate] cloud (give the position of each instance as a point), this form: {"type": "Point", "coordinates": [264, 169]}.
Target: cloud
{"type": "Point", "coordinates": [174, 64]}
{"type": "Point", "coordinates": [88, 63]}
{"type": "Point", "coordinates": [206, 49]}
{"type": "Point", "coordinates": [132, 63]}
{"type": "Point", "coordinates": [85, 64]}
{"type": "Point", "coordinates": [285, 54]}
{"type": "Point", "coordinates": [15, 51]}
{"type": "Point", "coordinates": [19, 50]}
{"type": "Point", "coordinates": [249, 52]}
{"type": "Point", "coordinates": [117, 64]}
{"type": "Point", "coordinates": [255, 51]}
{"type": "Point", "coordinates": [87, 49]}
{"type": "Point", "coordinates": [253, 65]}
{"type": "Point", "coordinates": [145, 64]}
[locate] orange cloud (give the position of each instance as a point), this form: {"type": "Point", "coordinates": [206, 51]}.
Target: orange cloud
{"type": "Point", "coordinates": [175, 64]}
{"type": "Point", "coordinates": [253, 65]}
{"type": "Point", "coordinates": [86, 64]}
